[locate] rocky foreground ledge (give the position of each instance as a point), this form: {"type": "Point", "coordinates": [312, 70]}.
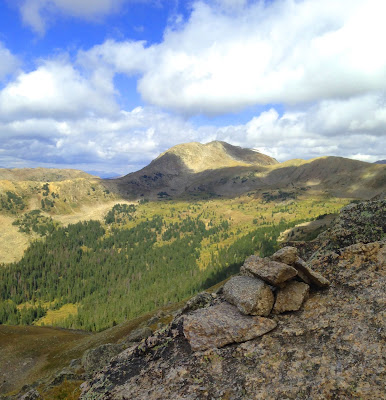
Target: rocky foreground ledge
{"type": "Point", "coordinates": [305, 323]}
{"type": "Point", "coordinates": [279, 330]}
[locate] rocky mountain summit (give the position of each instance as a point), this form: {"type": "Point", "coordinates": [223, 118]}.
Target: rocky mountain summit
{"type": "Point", "coordinates": [284, 328]}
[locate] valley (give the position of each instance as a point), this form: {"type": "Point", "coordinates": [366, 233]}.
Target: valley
{"type": "Point", "coordinates": [91, 257]}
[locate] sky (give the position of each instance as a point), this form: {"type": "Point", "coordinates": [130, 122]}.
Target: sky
{"type": "Point", "coordinates": [107, 85]}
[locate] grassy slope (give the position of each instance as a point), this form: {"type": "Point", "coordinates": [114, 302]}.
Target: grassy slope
{"type": "Point", "coordinates": [78, 196]}
{"type": "Point", "coordinates": [32, 353]}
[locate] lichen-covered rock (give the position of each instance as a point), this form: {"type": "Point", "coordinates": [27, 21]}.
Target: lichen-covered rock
{"type": "Point", "coordinates": [201, 300]}
{"type": "Point", "coordinates": [95, 359]}
{"type": "Point", "coordinates": [138, 334]}
{"type": "Point", "coordinates": [222, 324]}
{"type": "Point", "coordinates": [286, 255]}
{"type": "Point", "coordinates": [273, 272]}
{"type": "Point", "coordinates": [250, 295]}
{"type": "Point", "coordinates": [310, 276]}
{"type": "Point", "coordinates": [291, 297]}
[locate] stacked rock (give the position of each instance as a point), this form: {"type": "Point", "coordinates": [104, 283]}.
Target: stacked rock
{"type": "Point", "coordinates": [275, 285]}
{"type": "Point", "coordinates": [283, 274]}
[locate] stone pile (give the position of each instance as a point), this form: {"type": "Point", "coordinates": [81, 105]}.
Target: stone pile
{"type": "Point", "coordinates": [265, 286]}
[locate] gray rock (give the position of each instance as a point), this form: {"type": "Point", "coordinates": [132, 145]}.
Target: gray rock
{"type": "Point", "coordinates": [222, 324]}
{"type": "Point", "coordinates": [291, 297]}
{"type": "Point", "coordinates": [75, 364]}
{"type": "Point", "coordinates": [201, 300]}
{"type": "Point", "coordinates": [96, 359]}
{"type": "Point", "coordinates": [269, 271]}
{"type": "Point", "coordinates": [250, 295]}
{"type": "Point", "coordinates": [308, 275]}
{"type": "Point", "coordinates": [138, 334]}
{"type": "Point", "coordinates": [32, 394]}
{"type": "Point", "coordinates": [286, 255]}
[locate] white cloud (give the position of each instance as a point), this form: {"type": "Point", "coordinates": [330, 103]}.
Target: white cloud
{"type": "Point", "coordinates": [354, 128]}
{"type": "Point", "coordinates": [55, 89]}
{"type": "Point", "coordinates": [127, 140]}
{"type": "Point", "coordinates": [323, 60]}
{"type": "Point", "coordinates": [8, 63]}
{"type": "Point", "coordinates": [280, 52]}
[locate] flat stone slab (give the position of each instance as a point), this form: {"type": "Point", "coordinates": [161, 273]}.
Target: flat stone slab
{"type": "Point", "coordinates": [250, 295]}
{"type": "Point", "coordinates": [310, 276]}
{"type": "Point", "coordinates": [269, 271]}
{"type": "Point", "coordinates": [222, 324]}
{"type": "Point", "coordinates": [287, 255]}
{"type": "Point", "coordinates": [291, 297]}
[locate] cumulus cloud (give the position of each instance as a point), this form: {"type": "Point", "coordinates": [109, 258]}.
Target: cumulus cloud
{"type": "Point", "coordinates": [322, 60]}
{"type": "Point", "coordinates": [35, 13]}
{"type": "Point", "coordinates": [8, 63]}
{"type": "Point", "coordinates": [55, 89]}
{"type": "Point", "coordinates": [128, 140]}
{"type": "Point", "coordinates": [278, 52]}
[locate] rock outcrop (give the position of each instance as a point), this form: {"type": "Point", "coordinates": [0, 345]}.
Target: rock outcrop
{"type": "Point", "coordinates": [217, 326]}
{"type": "Point", "coordinates": [332, 348]}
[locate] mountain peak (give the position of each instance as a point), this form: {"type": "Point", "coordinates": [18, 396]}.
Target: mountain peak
{"type": "Point", "coordinates": [198, 157]}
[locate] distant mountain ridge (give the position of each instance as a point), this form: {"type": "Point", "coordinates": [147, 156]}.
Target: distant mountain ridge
{"type": "Point", "coordinates": [380, 162]}
{"type": "Point", "coordinates": [41, 174]}
{"type": "Point", "coordinates": [221, 169]}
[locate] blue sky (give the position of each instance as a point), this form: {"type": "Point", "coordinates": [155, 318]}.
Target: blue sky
{"type": "Point", "coordinates": [107, 85]}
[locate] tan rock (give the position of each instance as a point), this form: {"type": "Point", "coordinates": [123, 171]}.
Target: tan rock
{"type": "Point", "coordinates": [250, 295]}
{"type": "Point", "coordinates": [286, 255]}
{"type": "Point", "coordinates": [269, 271]}
{"type": "Point", "coordinates": [308, 275]}
{"type": "Point", "coordinates": [291, 297]}
{"type": "Point", "coordinates": [222, 324]}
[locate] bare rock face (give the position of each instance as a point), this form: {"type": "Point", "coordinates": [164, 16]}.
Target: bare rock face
{"type": "Point", "coordinates": [309, 276]}
{"type": "Point", "coordinates": [250, 295]}
{"type": "Point", "coordinates": [98, 357]}
{"type": "Point", "coordinates": [269, 271]}
{"type": "Point", "coordinates": [291, 297]}
{"type": "Point", "coordinates": [286, 255]}
{"type": "Point", "coordinates": [222, 324]}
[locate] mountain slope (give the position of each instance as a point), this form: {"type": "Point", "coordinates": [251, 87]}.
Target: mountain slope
{"type": "Point", "coordinates": [220, 169]}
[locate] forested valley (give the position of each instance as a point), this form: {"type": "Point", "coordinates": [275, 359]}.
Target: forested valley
{"type": "Point", "coordinates": [129, 264]}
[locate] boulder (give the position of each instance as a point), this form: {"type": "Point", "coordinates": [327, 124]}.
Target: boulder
{"type": "Point", "coordinates": [291, 297]}
{"type": "Point", "coordinates": [138, 334]}
{"type": "Point", "coordinates": [250, 295]}
{"type": "Point", "coordinates": [222, 324]}
{"type": "Point", "coordinates": [269, 271]}
{"type": "Point", "coordinates": [95, 359]}
{"type": "Point", "coordinates": [308, 275]}
{"type": "Point", "coordinates": [286, 255]}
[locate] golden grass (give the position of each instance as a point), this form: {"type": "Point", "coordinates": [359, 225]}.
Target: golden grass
{"type": "Point", "coordinates": [53, 317]}
{"type": "Point", "coordinates": [67, 390]}
{"type": "Point", "coordinates": [12, 242]}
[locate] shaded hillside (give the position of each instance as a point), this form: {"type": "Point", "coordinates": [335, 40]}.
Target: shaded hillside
{"type": "Point", "coordinates": [220, 169]}
{"type": "Point", "coordinates": [176, 168]}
